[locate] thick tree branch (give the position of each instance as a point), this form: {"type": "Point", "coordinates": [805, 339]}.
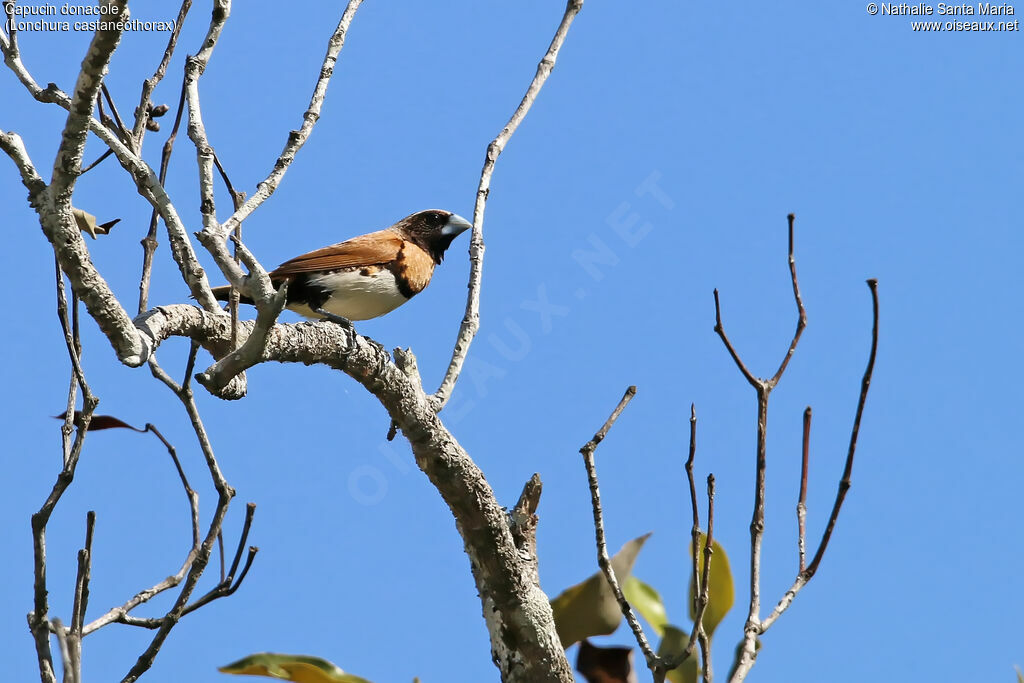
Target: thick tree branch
{"type": "Point", "coordinates": [68, 163]}
{"type": "Point", "coordinates": [518, 615]}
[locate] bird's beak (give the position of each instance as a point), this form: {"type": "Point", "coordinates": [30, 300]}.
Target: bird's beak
{"type": "Point", "coordinates": [455, 226]}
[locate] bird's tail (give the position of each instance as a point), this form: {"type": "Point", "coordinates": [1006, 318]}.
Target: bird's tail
{"type": "Point", "coordinates": [222, 294]}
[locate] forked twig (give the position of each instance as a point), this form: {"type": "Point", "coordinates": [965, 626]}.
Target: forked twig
{"type": "Point", "coordinates": [658, 665]}
{"type": "Point", "coordinates": [764, 388]}
{"type": "Point", "coordinates": [844, 483]}
{"type": "Point", "coordinates": [755, 626]}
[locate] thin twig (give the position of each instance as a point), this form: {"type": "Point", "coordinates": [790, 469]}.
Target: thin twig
{"type": "Point", "coordinates": [755, 626]}
{"type": "Point", "coordinates": [220, 555]}
{"type": "Point", "coordinates": [754, 381]}
{"type": "Point", "coordinates": [96, 163]}
{"type": "Point", "coordinates": [844, 483]}
{"type": "Point", "coordinates": [763, 387]}
{"type": "Point", "coordinates": [122, 131]}
{"type": "Point", "coordinates": [70, 329]}
{"type": "Point", "coordinates": [81, 599]}
{"type": "Point", "coordinates": [698, 622]}
{"type": "Point", "coordinates": [801, 321]}
{"type": "Point", "coordinates": [217, 376]}
{"type": "Point", "coordinates": [149, 242]}
{"type": "Point", "coordinates": [201, 556]}
{"type": "Point", "coordinates": [591, 445]}
{"type": "Point", "coordinates": [38, 621]}
{"type": "Point", "coordinates": [603, 560]}
{"type": "Point", "coordinates": [149, 85]}
{"type": "Point", "coordinates": [297, 138]}
{"type": "Point", "coordinates": [237, 198]}
{"type": "Point", "coordinates": [471, 319]}
{"type": "Point", "coordinates": [695, 528]}
{"type": "Point", "coordinates": [228, 585]}
{"type": "Point", "coordinates": [116, 614]}
{"type": "Point", "coordinates": [77, 376]}
{"type": "Point", "coordinates": [801, 505]}
{"type": "Point", "coordinates": [65, 650]}
{"type": "Point", "coordinates": [190, 494]}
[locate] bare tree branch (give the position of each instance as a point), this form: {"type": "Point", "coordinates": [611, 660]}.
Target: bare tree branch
{"type": "Point", "coordinates": [755, 626]}
{"type": "Point", "coordinates": [149, 85]}
{"type": "Point", "coordinates": [764, 388]}
{"type": "Point", "coordinates": [700, 579]}
{"type": "Point", "coordinates": [801, 320]}
{"type": "Point", "coordinates": [844, 483]}
{"type": "Point", "coordinates": [695, 527]}
{"type": "Point", "coordinates": [801, 505]}
{"type": "Point", "coordinates": [297, 138]}
{"type": "Point", "coordinates": [65, 651]}
{"type": "Point", "coordinates": [471, 319]}
{"type": "Point", "coordinates": [500, 544]}
{"type": "Point", "coordinates": [81, 599]}
{"type": "Point", "coordinates": [68, 163]}
{"type": "Point", "coordinates": [501, 573]}
{"type": "Point", "coordinates": [38, 620]}
{"type": "Point", "coordinates": [149, 242]}
{"type": "Point", "coordinates": [603, 560]}
{"type": "Point", "coordinates": [698, 632]}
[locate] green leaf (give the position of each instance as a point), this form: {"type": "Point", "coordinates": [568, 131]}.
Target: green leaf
{"type": "Point", "coordinates": [645, 600]}
{"type": "Point", "coordinates": [674, 643]}
{"type": "Point", "coordinates": [589, 608]}
{"type": "Point", "coordinates": [721, 593]}
{"type": "Point", "coordinates": [297, 668]}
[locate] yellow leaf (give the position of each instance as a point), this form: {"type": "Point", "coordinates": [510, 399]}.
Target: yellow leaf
{"type": "Point", "coordinates": [297, 668]}
{"type": "Point", "coordinates": [721, 593]}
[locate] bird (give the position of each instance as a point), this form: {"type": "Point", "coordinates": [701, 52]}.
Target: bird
{"type": "Point", "coordinates": [367, 276]}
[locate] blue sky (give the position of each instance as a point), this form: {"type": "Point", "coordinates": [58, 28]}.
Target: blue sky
{"type": "Point", "coordinates": [898, 151]}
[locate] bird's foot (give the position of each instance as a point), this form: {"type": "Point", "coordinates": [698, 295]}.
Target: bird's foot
{"type": "Point", "coordinates": [341, 322]}
{"type": "Point", "coordinates": [336, 319]}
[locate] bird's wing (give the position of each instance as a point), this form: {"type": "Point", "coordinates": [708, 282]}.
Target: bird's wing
{"type": "Point", "coordinates": [366, 250]}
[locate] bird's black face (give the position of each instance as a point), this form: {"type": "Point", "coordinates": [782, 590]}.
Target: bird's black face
{"type": "Point", "coordinates": [433, 230]}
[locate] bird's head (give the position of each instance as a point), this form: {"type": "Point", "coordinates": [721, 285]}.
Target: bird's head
{"type": "Point", "coordinates": [433, 230]}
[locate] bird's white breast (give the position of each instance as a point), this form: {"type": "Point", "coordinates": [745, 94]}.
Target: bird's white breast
{"type": "Point", "coordinates": [357, 296]}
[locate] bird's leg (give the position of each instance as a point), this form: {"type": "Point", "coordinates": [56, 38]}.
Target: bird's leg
{"type": "Point", "coordinates": [347, 324]}
{"type": "Point", "coordinates": [336, 319]}
{"type": "Point", "coordinates": [343, 322]}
